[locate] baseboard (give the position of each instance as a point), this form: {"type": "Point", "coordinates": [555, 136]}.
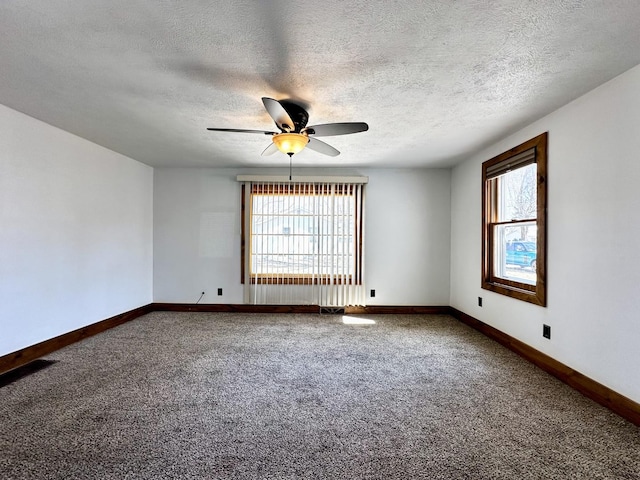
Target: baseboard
{"type": "Point", "coordinates": [235, 308]}
{"type": "Point", "coordinates": [623, 406]}
{"type": "Point", "coordinates": [33, 352]}
{"type": "Point", "coordinates": [243, 308]}
{"type": "Point", "coordinates": [398, 310]}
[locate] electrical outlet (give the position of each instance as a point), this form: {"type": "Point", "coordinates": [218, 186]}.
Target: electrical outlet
{"type": "Point", "coordinates": [546, 331]}
{"type": "Point", "coordinates": [219, 291]}
{"type": "Point", "coordinates": [479, 301]}
{"type": "Point", "coordinates": [373, 293]}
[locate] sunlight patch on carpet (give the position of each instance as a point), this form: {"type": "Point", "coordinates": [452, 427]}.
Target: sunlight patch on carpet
{"type": "Point", "coordinates": [357, 321]}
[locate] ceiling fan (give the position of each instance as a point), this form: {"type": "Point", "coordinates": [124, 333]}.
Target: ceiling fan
{"type": "Point", "coordinates": [294, 135]}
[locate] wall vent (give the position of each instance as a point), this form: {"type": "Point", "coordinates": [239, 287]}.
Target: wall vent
{"type": "Point", "coordinates": [24, 371]}
{"type": "Point", "coordinates": [332, 310]}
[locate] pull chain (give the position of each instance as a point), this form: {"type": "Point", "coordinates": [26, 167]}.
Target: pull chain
{"type": "Point", "coordinates": [290, 157]}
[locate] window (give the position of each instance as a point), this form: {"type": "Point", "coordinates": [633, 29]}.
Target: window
{"type": "Point", "coordinates": [514, 208]}
{"type": "Point", "coordinates": [305, 234]}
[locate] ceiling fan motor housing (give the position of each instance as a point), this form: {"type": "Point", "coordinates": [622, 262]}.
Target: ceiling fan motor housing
{"type": "Point", "coordinates": [298, 114]}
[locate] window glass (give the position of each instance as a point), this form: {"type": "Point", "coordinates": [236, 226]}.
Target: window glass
{"type": "Point", "coordinates": [280, 239]}
{"type": "Point", "coordinates": [517, 193]}
{"type": "Point", "coordinates": [305, 233]}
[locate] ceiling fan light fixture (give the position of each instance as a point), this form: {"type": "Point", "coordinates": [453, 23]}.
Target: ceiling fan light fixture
{"type": "Point", "coordinates": [290, 143]}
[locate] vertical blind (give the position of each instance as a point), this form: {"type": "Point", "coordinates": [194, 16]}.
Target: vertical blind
{"type": "Point", "coordinates": [304, 243]}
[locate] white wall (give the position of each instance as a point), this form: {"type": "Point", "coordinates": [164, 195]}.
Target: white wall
{"type": "Point", "coordinates": [593, 230]}
{"type": "Point", "coordinates": [197, 234]}
{"type": "Point", "coordinates": [75, 232]}
{"type": "Point", "coordinates": [408, 225]}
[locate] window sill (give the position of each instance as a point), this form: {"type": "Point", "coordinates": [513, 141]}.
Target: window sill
{"type": "Point", "coordinates": [535, 297]}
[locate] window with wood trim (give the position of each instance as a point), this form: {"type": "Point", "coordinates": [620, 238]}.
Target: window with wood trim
{"type": "Point", "coordinates": [305, 234]}
{"type": "Point", "coordinates": [514, 212]}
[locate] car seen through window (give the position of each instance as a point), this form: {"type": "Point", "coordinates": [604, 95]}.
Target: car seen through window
{"type": "Point", "coordinates": [522, 254]}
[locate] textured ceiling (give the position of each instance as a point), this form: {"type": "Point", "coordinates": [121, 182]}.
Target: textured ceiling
{"type": "Point", "coordinates": [435, 80]}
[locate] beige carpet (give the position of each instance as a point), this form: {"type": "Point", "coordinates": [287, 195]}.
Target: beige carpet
{"type": "Point", "coordinates": [263, 396]}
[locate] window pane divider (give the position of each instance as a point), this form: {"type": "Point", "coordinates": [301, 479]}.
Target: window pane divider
{"type": "Point", "coordinates": [513, 222]}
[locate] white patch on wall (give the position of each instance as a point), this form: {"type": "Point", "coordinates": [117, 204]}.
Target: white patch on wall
{"type": "Point", "coordinates": [217, 234]}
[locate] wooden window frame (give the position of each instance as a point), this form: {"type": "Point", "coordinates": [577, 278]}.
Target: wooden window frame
{"type": "Point", "coordinates": [536, 294]}
{"type": "Point", "coordinates": [297, 279]}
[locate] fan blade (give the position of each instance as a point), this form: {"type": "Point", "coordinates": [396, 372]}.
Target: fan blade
{"type": "Point", "coordinates": [321, 147]}
{"type": "Point", "coordinates": [264, 132]}
{"type": "Point", "coordinates": [329, 129]}
{"type": "Point", "coordinates": [279, 114]}
{"type": "Point", "coordinates": [270, 150]}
